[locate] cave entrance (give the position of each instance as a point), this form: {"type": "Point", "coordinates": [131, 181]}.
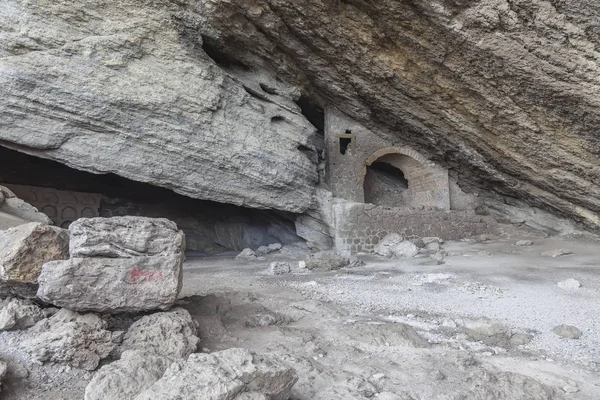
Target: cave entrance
{"type": "Point", "coordinates": [394, 179]}
{"type": "Point", "coordinates": [385, 185]}
{"type": "Point", "coordinates": [66, 194]}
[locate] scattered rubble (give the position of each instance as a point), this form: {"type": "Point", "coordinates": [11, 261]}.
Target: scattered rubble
{"type": "Point", "coordinates": [567, 331]}
{"type": "Point", "coordinates": [79, 340]}
{"type": "Point", "coordinates": [118, 264]}
{"type": "Point", "coordinates": [394, 245]}
{"type": "Point", "coordinates": [24, 250]}
{"type": "Point", "coordinates": [124, 379]}
{"type": "Point", "coordinates": [569, 284]}
{"type": "Point", "coordinates": [557, 253]}
{"type": "Point", "coordinates": [19, 314]}
{"type": "Point", "coordinates": [170, 333]}
{"type": "Point", "coordinates": [228, 374]}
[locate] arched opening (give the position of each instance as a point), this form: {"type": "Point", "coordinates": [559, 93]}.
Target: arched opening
{"type": "Point", "coordinates": [395, 177]}
{"type": "Point", "coordinates": [385, 185]}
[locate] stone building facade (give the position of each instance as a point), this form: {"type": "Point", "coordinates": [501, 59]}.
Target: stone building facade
{"type": "Point", "coordinates": [424, 202]}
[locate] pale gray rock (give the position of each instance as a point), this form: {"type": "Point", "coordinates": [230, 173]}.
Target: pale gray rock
{"type": "Point", "coordinates": [138, 97]}
{"type": "Point", "coordinates": [112, 284]}
{"type": "Point", "coordinates": [79, 340]}
{"type": "Point", "coordinates": [124, 237]}
{"type": "Point", "coordinates": [524, 243]}
{"type": "Point", "coordinates": [124, 379]}
{"type": "Point", "coordinates": [431, 239]}
{"type": "Point", "coordinates": [23, 251]}
{"type": "Point", "coordinates": [567, 331]}
{"type": "Point", "coordinates": [331, 261]}
{"type": "Point", "coordinates": [280, 268]}
{"type": "Point", "coordinates": [246, 254]}
{"type": "Point", "coordinates": [438, 257]}
{"type": "Point", "coordinates": [224, 375]}
{"type": "Point", "coordinates": [117, 264]}
{"type": "Point", "coordinates": [273, 247]}
{"type": "Point", "coordinates": [15, 212]}
{"type": "Point", "coordinates": [569, 284]}
{"type": "Point", "coordinates": [393, 246]}
{"type": "Point", "coordinates": [19, 314]}
{"type": "Point", "coordinates": [171, 334]}
{"type": "Point", "coordinates": [557, 253]}
{"type": "Point", "coordinates": [490, 332]}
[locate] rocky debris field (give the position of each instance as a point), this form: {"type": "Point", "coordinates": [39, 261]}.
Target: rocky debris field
{"type": "Point", "coordinates": [493, 319]}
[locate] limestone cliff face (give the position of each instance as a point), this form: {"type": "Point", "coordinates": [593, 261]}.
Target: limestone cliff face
{"type": "Point", "coordinates": [506, 93]}
{"type": "Point", "coordinates": [114, 86]}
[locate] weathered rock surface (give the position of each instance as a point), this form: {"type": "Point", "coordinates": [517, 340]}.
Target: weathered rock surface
{"type": "Point", "coordinates": [393, 245]}
{"type": "Point", "coordinates": [331, 261]}
{"type": "Point", "coordinates": [23, 251]}
{"type": "Point", "coordinates": [567, 331]}
{"type": "Point", "coordinates": [229, 374]}
{"type": "Point", "coordinates": [171, 334]}
{"type": "Point", "coordinates": [80, 340]}
{"type": "Point", "coordinates": [123, 237]}
{"type": "Point", "coordinates": [118, 264]}
{"type": "Point", "coordinates": [19, 314]}
{"type": "Point", "coordinates": [433, 75]}
{"type": "Point", "coordinates": [15, 212]}
{"type": "Point", "coordinates": [118, 87]}
{"type": "Point", "coordinates": [124, 379]}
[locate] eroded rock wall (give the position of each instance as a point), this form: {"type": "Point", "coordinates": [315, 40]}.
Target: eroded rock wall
{"type": "Point", "coordinates": [503, 92]}
{"type": "Point", "coordinates": [124, 87]}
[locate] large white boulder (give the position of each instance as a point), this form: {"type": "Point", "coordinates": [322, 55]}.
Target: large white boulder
{"type": "Point", "coordinates": [117, 264]}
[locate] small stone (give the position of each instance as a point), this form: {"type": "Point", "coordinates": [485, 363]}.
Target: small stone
{"type": "Point", "coordinates": [261, 251]}
{"type": "Point", "coordinates": [246, 254]}
{"type": "Point", "coordinates": [569, 284]}
{"type": "Point", "coordinates": [567, 331]}
{"type": "Point", "coordinates": [438, 257]}
{"type": "Point", "coordinates": [557, 253]}
{"type": "Point", "coordinates": [520, 339]}
{"type": "Point", "coordinates": [484, 253]}
{"type": "Point", "coordinates": [427, 240]}
{"type": "Point", "coordinates": [302, 264]}
{"type": "Point", "coordinates": [570, 389]}
{"type": "Point", "coordinates": [279, 268]}
{"type": "Point", "coordinates": [524, 243]}
{"type": "Point", "coordinates": [20, 371]}
{"type": "Point", "coordinates": [274, 247]}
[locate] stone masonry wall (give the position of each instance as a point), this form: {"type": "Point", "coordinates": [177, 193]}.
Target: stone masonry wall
{"type": "Point", "coordinates": [359, 227]}
{"type": "Point", "coordinates": [427, 183]}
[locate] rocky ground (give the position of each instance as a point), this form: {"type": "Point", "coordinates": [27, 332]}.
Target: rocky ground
{"type": "Point", "coordinates": [480, 326]}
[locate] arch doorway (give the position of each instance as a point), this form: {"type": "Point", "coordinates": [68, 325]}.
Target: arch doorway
{"type": "Point", "coordinates": [394, 177]}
